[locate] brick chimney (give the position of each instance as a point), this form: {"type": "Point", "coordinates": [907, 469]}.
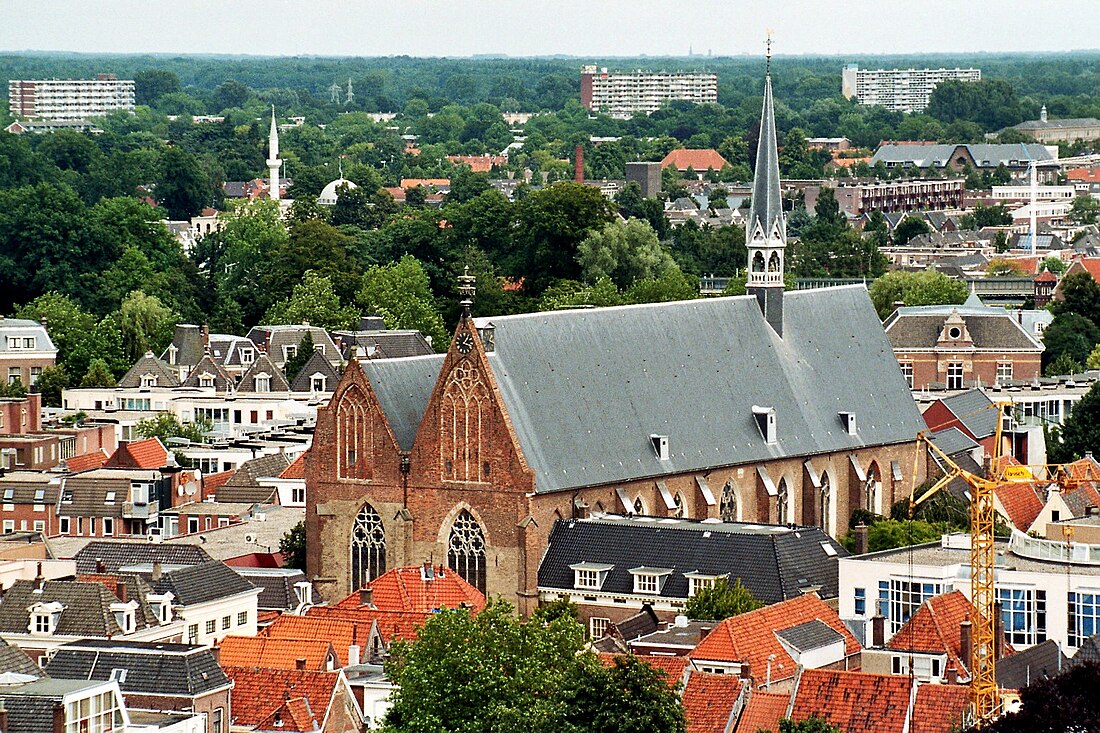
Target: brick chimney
{"type": "Point", "coordinates": [100, 566]}
{"type": "Point", "coordinates": [951, 674]}
{"type": "Point", "coordinates": [878, 631]}
{"type": "Point", "coordinates": [59, 718]}
{"type": "Point", "coordinates": [965, 640]}
{"type": "Point", "coordinates": [746, 670]}
{"type": "Point", "coordinates": [300, 663]}
{"type": "Point", "coordinates": [158, 570]}
{"type": "Point", "coordinates": [704, 632]}
{"type": "Point", "coordinates": [366, 596]}
{"type": "Point", "coordinates": [861, 539]}
{"type": "Point", "coordinates": [121, 591]}
{"type": "Point", "coordinates": [578, 166]}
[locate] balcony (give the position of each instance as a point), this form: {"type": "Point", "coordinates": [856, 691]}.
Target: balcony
{"type": "Point", "coordinates": [139, 510]}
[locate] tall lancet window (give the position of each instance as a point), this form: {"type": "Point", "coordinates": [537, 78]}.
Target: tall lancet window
{"type": "Point", "coordinates": [466, 550]}
{"type": "Point", "coordinates": [464, 416]}
{"type": "Point", "coordinates": [368, 547]}
{"type": "Point", "coordinates": [354, 436]}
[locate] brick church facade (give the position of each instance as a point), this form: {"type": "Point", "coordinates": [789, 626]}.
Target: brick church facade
{"type": "Point", "coordinates": [764, 408]}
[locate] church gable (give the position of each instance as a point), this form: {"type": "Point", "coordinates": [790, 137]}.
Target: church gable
{"type": "Point", "coordinates": [353, 429]}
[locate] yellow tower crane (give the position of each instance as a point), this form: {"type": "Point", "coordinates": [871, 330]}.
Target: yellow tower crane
{"type": "Point", "coordinates": [984, 697]}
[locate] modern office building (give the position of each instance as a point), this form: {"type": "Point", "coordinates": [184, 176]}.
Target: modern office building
{"type": "Point", "coordinates": [621, 94]}
{"type": "Point", "coordinates": [903, 90]}
{"type": "Point", "coordinates": [69, 99]}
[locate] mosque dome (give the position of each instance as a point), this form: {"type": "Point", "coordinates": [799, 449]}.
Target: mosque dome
{"type": "Point", "coordinates": [328, 194]}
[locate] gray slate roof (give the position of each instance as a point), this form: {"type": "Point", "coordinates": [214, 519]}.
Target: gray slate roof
{"type": "Point", "coordinates": [974, 410]}
{"type": "Point", "coordinates": [149, 364]}
{"type": "Point", "coordinates": [403, 387]}
{"type": "Point", "coordinates": [1034, 663]}
{"type": "Point", "coordinates": [385, 343]}
{"type": "Point", "coordinates": [810, 635]}
{"type": "Point", "coordinates": [115, 555]}
{"type": "Point", "coordinates": [585, 389]}
{"type": "Point", "coordinates": [915, 328]}
{"type": "Point", "coordinates": [154, 668]}
{"type": "Point", "coordinates": [30, 714]}
{"type": "Point", "coordinates": [278, 337]}
{"type": "Point", "coordinates": [767, 200]}
{"type": "Point", "coordinates": [12, 659]}
{"type": "Point", "coordinates": [952, 441]}
{"type": "Point", "coordinates": [264, 365]}
{"type": "Point", "coordinates": [986, 155]}
{"type": "Point", "coordinates": [244, 484]}
{"type": "Point", "coordinates": [201, 583]}
{"type": "Point", "coordinates": [1049, 124]}
{"type": "Point", "coordinates": [277, 592]}
{"type": "Point", "coordinates": [208, 366]}
{"type": "Point", "coordinates": [317, 364]}
{"type": "Point", "coordinates": [775, 563]}
{"type": "Point", "coordinates": [24, 328]}
{"type": "Point", "coordinates": [87, 608]}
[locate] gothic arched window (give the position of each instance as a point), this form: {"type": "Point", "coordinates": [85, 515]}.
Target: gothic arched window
{"type": "Point", "coordinates": [826, 501]}
{"type": "Point", "coordinates": [464, 416]}
{"type": "Point", "coordinates": [678, 501]}
{"type": "Point", "coordinates": [368, 547]}
{"type": "Point", "coordinates": [727, 509]}
{"type": "Point", "coordinates": [782, 501]}
{"type": "Point", "coordinates": [354, 436]}
{"type": "Point", "coordinates": [758, 262]}
{"type": "Point", "coordinates": [466, 550]}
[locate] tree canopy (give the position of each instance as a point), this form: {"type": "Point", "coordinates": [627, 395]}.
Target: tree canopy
{"type": "Point", "coordinates": [721, 600]}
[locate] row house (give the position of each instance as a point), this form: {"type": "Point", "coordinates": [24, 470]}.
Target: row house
{"type": "Point", "coordinates": [25, 443]}
{"type": "Point", "coordinates": [857, 199]}
{"type": "Point", "coordinates": [25, 350]}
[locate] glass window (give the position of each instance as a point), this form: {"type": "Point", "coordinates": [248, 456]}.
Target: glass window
{"type": "Point", "coordinates": [907, 372]}
{"type": "Point", "coordinates": [955, 375]}
{"type": "Point", "coordinates": [861, 601]}
{"type": "Point", "coordinates": [906, 597]}
{"type": "Point", "coordinates": [211, 626]}
{"type": "Point", "coordinates": [647, 584]}
{"type": "Point", "coordinates": [1004, 371]}
{"type": "Point", "coordinates": [1084, 617]}
{"type": "Point", "coordinates": [588, 579]}
{"type": "Point", "coordinates": [597, 627]}
{"type": "Point", "coordinates": [226, 622]}
{"type": "Point", "coordinates": [242, 618]}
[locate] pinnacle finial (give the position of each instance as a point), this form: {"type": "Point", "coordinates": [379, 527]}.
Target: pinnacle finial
{"type": "Point", "coordinates": [466, 289]}
{"type": "Point", "coordinates": [768, 51]}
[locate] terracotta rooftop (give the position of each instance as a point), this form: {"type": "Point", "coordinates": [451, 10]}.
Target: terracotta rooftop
{"type": "Point", "coordinates": [751, 637]}
{"type": "Point", "coordinates": [763, 712]}
{"type": "Point", "coordinates": [1090, 264]}
{"type": "Point", "coordinates": [853, 701]}
{"type": "Point", "coordinates": [414, 589]}
{"type": "Point", "coordinates": [708, 701]}
{"type": "Point", "coordinates": [402, 625]}
{"type": "Point", "coordinates": [673, 667]}
{"type": "Point", "coordinates": [149, 454]}
{"type": "Point", "coordinates": [212, 482]}
{"type": "Point", "coordinates": [297, 469]}
{"type": "Point", "coordinates": [935, 628]}
{"type": "Point", "coordinates": [259, 693]}
{"type": "Point", "coordinates": [1021, 503]}
{"type": "Point", "coordinates": [940, 709]}
{"type": "Point", "coordinates": [699, 160]}
{"type": "Point", "coordinates": [294, 714]}
{"type": "Point", "coordinates": [262, 651]}
{"type": "Point", "coordinates": [1046, 276]}
{"type": "Point", "coordinates": [341, 633]}
{"type": "Point", "coordinates": [95, 459]}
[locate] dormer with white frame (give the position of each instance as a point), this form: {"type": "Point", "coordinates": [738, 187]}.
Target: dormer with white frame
{"type": "Point", "coordinates": [650, 581]}
{"type": "Point", "coordinates": [44, 618]}
{"type": "Point", "coordinates": [590, 575]}
{"type": "Point", "coordinates": [125, 615]}
{"type": "Point", "coordinates": [698, 581]}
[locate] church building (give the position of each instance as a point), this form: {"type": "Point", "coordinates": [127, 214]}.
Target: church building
{"type": "Point", "coordinates": [784, 408]}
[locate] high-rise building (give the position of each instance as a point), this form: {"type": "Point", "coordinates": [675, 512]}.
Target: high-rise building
{"type": "Point", "coordinates": [621, 94]}
{"type": "Point", "coordinates": [903, 90]}
{"type": "Point", "coordinates": [69, 99]}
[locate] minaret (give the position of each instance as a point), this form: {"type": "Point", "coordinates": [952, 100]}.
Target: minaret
{"type": "Point", "coordinates": [766, 229]}
{"type": "Point", "coordinates": [273, 161]}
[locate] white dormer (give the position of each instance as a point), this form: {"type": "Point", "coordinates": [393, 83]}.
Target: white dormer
{"type": "Point", "coordinates": [263, 382]}
{"type": "Point", "coordinates": [148, 380]}
{"type": "Point", "coordinates": [125, 615]}
{"type": "Point", "coordinates": [289, 350]}
{"type": "Point", "coordinates": [660, 446]}
{"type": "Point", "coordinates": [44, 617]}
{"type": "Point", "coordinates": [248, 355]}
{"type": "Point", "coordinates": [206, 379]}
{"type": "Point", "coordinates": [590, 575]}
{"type": "Point", "coordinates": [848, 420]}
{"type": "Point", "coordinates": [650, 581]}
{"type": "Point", "coordinates": [162, 605]}
{"type": "Point", "coordinates": [765, 422]}
{"type": "Point", "coordinates": [318, 382]}
{"type": "Point", "coordinates": [698, 581]}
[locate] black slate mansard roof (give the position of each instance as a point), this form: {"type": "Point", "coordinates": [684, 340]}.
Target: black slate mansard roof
{"type": "Point", "coordinates": [165, 669]}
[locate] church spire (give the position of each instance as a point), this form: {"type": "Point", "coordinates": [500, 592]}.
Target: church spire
{"type": "Point", "coordinates": [273, 162]}
{"type": "Point", "coordinates": [766, 229]}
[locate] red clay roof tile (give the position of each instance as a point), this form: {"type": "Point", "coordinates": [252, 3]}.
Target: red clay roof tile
{"type": "Point", "coordinates": [940, 709]}
{"type": "Point", "coordinates": [853, 701]}
{"type": "Point", "coordinates": [262, 651]}
{"type": "Point", "coordinates": [763, 712]}
{"type": "Point", "coordinates": [258, 693]}
{"type": "Point", "coordinates": [85, 462]}
{"type": "Point", "coordinates": [1021, 503]}
{"type": "Point", "coordinates": [708, 701]}
{"type": "Point", "coordinates": [934, 628]}
{"type": "Point", "coordinates": [148, 454]}
{"type": "Point", "coordinates": [407, 589]}
{"type": "Point", "coordinates": [297, 469]}
{"type": "Point", "coordinates": [699, 160]}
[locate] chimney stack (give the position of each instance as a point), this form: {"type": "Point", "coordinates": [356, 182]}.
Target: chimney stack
{"type": "Point", "coordinates": [158, 570]}
{"type": "Point", "coordinates": [965, 641]}
{"type": "Point", "coordinates": [704, 631]}
{"type": "Point", "coordinates": [300, 663]}
{"type": "Point", "coordinates": [878, 631]}
{"type": "Point", "coordinates": [353, 655]}
{"type": "Point", "coordinates": [3, 717]}
{"type": "Point", "coordinates": [100, 566]}
{"type": "Point", "coordinates": [578, 166]}
{"type": "Point", "coordinates": [861, 539]}
{"type": "Point", "coordinates": [59, 718]}
{"type": "Point", "coordinates": [366, 596]}
{"type": "Point", "coordinates": [951, 674]}
{"type": "Point", "coordinates": [746, 670]}
{"type": "Point", "coordinates": [121, 591]}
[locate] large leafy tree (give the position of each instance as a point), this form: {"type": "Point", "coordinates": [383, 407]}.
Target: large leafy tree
{"type": "Point", "coordinates": [145, 323]}
{"type": "Point", "coordinates": [493, 673]}
{"type": "Point", "coordinates": [1080, 433]}
{"type": "Point", "coordinates": [1071, 335]}
{"type": "Point", "coordinates": [625, 252]}
{"type": "Point", "coordinates": [915, 288]}
{"type": "Point", "coordinates": [1080, 296]}
{"type": "Point", "coordinates": [1065, 702]}
{"type": "Point", "coordinates": [721, 600]}
{"type": "Point", "coordinates": [399, 292]}
{"type": "Point", "coordinates": [313, 301]}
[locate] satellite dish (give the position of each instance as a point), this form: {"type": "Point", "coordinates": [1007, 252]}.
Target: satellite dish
{"type": "Point", "coordinates": [191, 487]}
{"type": "Point", "coordinates": [250, 539]}
{"type": "Point", "coordinates": [179, 491]}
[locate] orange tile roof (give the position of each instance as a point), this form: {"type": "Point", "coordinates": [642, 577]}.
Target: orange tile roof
{"type": "Point", "coordinates": [751, 636]}
{"type": "Point", "coordinates": [708, 701]}
{"type": "Point", "coordinates": [340, 632]}
{"type": "Point", "coordinates": [262, 651]}
{"type": "Point", "coordinates": [763, 712]}
{"type": "Point", "coordinates": [95, 459]}
{"type": "Point", "coordinates": [429, 182]}
{"type": "Point", "coordinates": [405, 589]}
{"type": "Point", "coordinates": [700, 159]}
{"type": "Point", "coordinates": [295, 714]}
{"type": "Point", "coordinates": [1021, 503]}
{"type": "Point", "coordinates": [259, 693]}
{"type": "Point", "coordinates": [1046, 276]}
{"type": "Point", "coordinates": [148, 454]}
{"type": "Point", "coordinates": [1091, 175]}
{"type": "Point", "coordinates": [1090, 264]}
{"type": "Point", "coordinates": [215, 481]}
{"type": "Point", "coordinates": [297, 469]}
{"type": "Point", "coordinates": [855, 702]}
{"type": "Point", "coordinates": [1085, 468]}
{"type": "Point", "coordinates": [934, 628]}
{"type": "Point", "coordinates": [478, 163]}
{"type": "Point", "coordinates": [849, 162]}
{"type": "Point", "coordinates": [673, 667]}
{"type": "Point", "coordinates": [392, 625]}
{"type": "Point", "coordinates": [940, 709]}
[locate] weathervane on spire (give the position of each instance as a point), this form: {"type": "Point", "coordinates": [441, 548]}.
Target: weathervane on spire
{"type": "Point", "coordinates": [768, 52]}
{"type": "Point", "coordinates": [466, 289]}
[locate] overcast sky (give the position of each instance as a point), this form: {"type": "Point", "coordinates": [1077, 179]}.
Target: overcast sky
{"type": "Point", "coordinates": [588, 28]}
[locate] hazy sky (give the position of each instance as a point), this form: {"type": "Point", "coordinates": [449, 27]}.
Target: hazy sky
{"type": "Point", "coordinates": [525, 28]}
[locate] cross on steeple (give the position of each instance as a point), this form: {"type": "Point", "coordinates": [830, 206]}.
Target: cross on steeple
{"type": "Point", "coordinates": [768, 53]}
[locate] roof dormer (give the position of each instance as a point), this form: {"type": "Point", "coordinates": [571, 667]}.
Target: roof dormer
{"type": "Point", "coordinates": [954, 333]}
{"type": "Point", "coordinates": [44, 618]}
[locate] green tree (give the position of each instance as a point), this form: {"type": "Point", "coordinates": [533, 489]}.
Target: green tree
{"type": "Point", "coordinates": [98, 375]}
{"type": "Point", "coordinates": [886, 534]}
{"type": "Point", "coordinates": [492, 673]}
{"type": "Point", "coordinates": [1063, 364]}
{"type": "Point", "coordinates": [302, 354]}
{"type": "Point", "coordinates": [565, 294]}
{"type": "Point", "coordinates": [1070, 335]}
{"type": "Point", "coordinates": [152, 84]}
{"type": "Point", "coordinates": [721, 600]}
{"type": "Point", "coordinates": [625, 252]}
{"type": "Point", "coordinates": [1063, 702]}
{"type": "Point", "coordinates": [1085, 210]}
{"type": "Point", "coordinates": [166, 426]}
{"type": "Point", "coordinates": [400, 293]}
{"type": "Point", "coordinates": [986, 216]}
{"type": "Point", "coordinates": [809, 725]}
{"type": "Point", "coordinates": [1080, 296]}
{"type": "Point", "coordinates": [145, 324]}
{"type": "Point", "coordinates": [910, 227]}
{"type": "Point", "coordinates": [670, 286]}
{"type": "Point", "coordinates": [182, 186]}
{"type": "Point", "coordinates": [13, 389]}
{"type": "Point", "coordinates": [1053, 264]}
{"type": "Point", "coordinates": [50, 384]}
{"type": "Point", "coordinates": [315, 302]}
{"type": "Point", "coordinates": [292, 545]}
{"type": "Point", "coordinates": [928, 287]}
{"type": "Point", "coordinates": [66, 323]}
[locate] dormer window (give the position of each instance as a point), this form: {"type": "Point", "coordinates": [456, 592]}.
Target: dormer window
{"type": "Point", "coordinates": [206, 379]}
{"type": "Point", "coordinates": [125, 616]}
{"type": "Point", "coordinates": [44, 617]}
{"type": "Point", "coordinates": [162, 606]}
{"type": "Point", "coordinates": [109, 498]}
{"type": "Point", "coordinates": [848, 420]}
{"type": "Point", "coordinates": [290, 350]}
{"type": "Point", "coordinates": [248, 356]}
{"type": "Point", "coordinates": [173, 352]}
{"type": "Point", "coordinates": [650, 581]}
{"type": "Point", "coordinates": [699, 581]}
{"type": "Point", "coordinates": [765, 422]}
{"type": "Point", "coordinates": [318, 383]}
{"type": "Point", "coordinates": [954, 332]}
{"type": "Point", "coordinates": [263, 382]}
{"type": "Point", "coordinates": [148, 380]}
{"type": "Point", "coordinates": [589, 575]}
{"type": "Point", "coordinates": [660, 446]}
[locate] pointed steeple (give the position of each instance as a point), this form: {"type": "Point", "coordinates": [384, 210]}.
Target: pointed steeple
{"type": "Point", "coordinates": [766, 228]}
{"type": "Point", "coordinates": [273, 162]}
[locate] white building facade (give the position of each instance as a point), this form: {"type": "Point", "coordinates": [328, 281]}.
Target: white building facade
{"type": "Point", "coordinates": [902, 90]}
{"type": "Point", "coordinates": [70, 99]}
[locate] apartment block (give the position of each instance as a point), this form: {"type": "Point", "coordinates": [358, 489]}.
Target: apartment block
{"type": "Point", "coordinates": [621, 94]}
{"type": "Point", "coordinates": [859, 198]}
{"type": "Point", "coordinates": [902, 90]}
{"type": "Point", "coordinates": [69, 99]}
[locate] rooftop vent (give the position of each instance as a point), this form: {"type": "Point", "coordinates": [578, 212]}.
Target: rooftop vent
{"type": "Point", "coordinates": [660, 446]}
{"type": "Point", "coordinates": [765, 422]}
{"type": "Point", "coordinates": [848, 420]}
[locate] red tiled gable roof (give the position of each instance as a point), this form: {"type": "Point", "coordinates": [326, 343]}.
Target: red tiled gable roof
{"type": "Point", "coordinates": [297, 469]}
{"type": "Point", "coordinates": [940, 709]}
{"type": "Point", "coordinates": [405, 589]}
{"type": "Point", "coordinates": [1091, 265]}
{"type": "Point", "coordinates": [148, 454]}
{"type": "Point", "coordinates": [293, 715]}
{"type": "Point", "coordinates": [934, 628]}
{"type": "Point", "coordinates": [403, 625]}
{"type": "Point", "coordinates": [85, 462]}
{"type": "Point", "coordinates": [1085, 468]}
{"type": "Point", "coordinates": [258, 693]}
{"type": "Point", "coordinates": [1090, 175]}
{"type": "Point", "coordinates": [215, 481]}
{"type": "Point", "coordinates": [699, 159]}
{"type": "Point", "coordinates": [763, 712]}
{"type": "Point", "coordinates": [751, 637]}
{"type": "Point", "coordinates": [708, 701]}
{"type": "Point", "coordinates": [262, 651]}
{"type": "Point", "coordinates": [1021, 503]}
{"type": "Point", "coordinates": [673, 667]}
{"type": "Point", "coordinates": [1046, 276]}
{"type": "Point", "coordinates": [1028, 265]}
{"type": "Point", "coordinates": [855, 702]}
{"type": "Point", "coordinates": [340, 632]}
